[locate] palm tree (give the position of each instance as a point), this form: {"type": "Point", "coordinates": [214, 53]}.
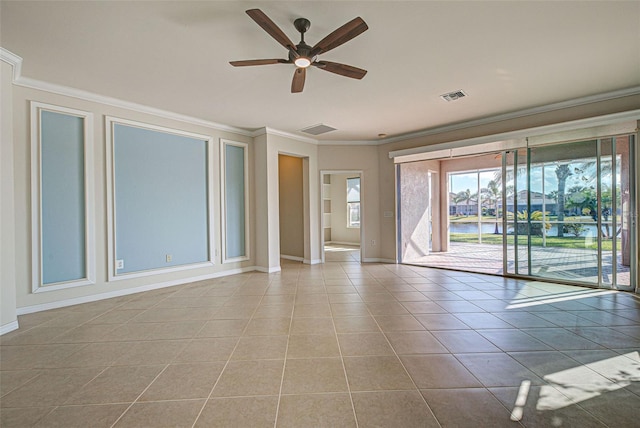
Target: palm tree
{"type": "Point", "coordinates": [466, 196]}
{"type": "Point", "coordinates": [492, 193]}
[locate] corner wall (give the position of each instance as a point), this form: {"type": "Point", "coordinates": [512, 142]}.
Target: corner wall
{"type": "Point", "coordinates": [8, 317]}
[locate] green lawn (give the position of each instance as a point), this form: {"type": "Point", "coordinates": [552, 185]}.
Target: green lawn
{"type": "Point", "coordinates": [536, 241]}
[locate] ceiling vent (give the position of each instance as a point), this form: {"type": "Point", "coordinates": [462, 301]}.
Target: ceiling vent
{"type": "Point", "coordinates": [318, 129]}
{"type": "Point", "coordinates": [455, 95]}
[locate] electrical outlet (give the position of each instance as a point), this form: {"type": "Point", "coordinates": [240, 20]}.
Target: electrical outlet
{"type": "Point", "coordinates": [119, 264]}
{"type": "Point", "coordinates": [373, 242]}
{"type": "Point", "coordinates": [168, 258]}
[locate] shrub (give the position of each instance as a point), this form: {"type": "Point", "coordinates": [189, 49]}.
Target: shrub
{"type": "Point", "coordinates": [576, 229]}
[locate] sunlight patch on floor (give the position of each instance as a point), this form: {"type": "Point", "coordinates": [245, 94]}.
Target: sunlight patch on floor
{"type": "Point", "coordinates": [568, 387]}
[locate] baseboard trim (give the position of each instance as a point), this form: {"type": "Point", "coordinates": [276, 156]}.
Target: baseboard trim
{"type": "Point", "coordinates": [353, 244]}
{"type": "Point", "coordinates": [378, 260]}
{"type": "Point", "coordinates": [268, 270]}
{"type": "Point", "coordinates": [9, 327]}
{"type": "Point", "coordinates": [124, 292]}
{"type": "Point", "coordinates": [312, 262]}
{"type": "Point", "coordinates": [294, 258]}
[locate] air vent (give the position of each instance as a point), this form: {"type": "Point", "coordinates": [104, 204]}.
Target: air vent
{"type": "Point", "coordinates": [455, 95]}
{"type": "Point", "coordinates": [318, 129]}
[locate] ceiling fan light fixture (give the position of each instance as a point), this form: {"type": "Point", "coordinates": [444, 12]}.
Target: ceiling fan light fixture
{"type": "Point", "coordinates": [302, 62]}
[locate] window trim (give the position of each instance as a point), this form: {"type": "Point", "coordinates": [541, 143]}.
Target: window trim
{"type": "Point", "coordinates": [223, 201]}
{"type": "Point", "coordinates": [112, 275]}
{"type": "Point", "coordinates": [359, 202]}
{"type": "Point", "coordinates": [36, 198]}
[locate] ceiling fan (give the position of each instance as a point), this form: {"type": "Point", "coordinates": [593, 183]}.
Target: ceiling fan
{"type": "Point", "coordinates": [302, 55]}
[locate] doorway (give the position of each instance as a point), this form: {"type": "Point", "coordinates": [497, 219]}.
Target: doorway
{"type": "Point", "coordinates": [342, 216]}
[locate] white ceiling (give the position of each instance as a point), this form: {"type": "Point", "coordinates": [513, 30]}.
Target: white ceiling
{"type": "Point", "coordinates": [175, 55]}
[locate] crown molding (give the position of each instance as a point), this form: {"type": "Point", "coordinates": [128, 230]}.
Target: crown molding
{"type": "Point", "coordinates": [12, 59]}
{"type": "Point", "coordinates": [576, 102]}
{"type": "Point", "coordinates": [271, 131]}
{"type": "Point", "coordinates": [19, 80]}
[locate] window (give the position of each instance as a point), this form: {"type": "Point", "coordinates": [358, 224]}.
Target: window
{"type": "Point", "coordinates": [353, 202]}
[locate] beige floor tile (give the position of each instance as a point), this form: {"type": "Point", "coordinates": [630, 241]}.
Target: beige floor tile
{"type": "Point", "coordinates": [176, 330]}
{"type": "Point", "coordinates": [316, 410]}
{"type": "Point", "coordinates": [311, 299]}
{"type": "Point", "coordinates": [360, 344]}
{"type": "Point", "coordinates": [312, 346]}
{"type": "Point", "coordinates": [20, 417]}
{"type": "Point", "coordinates": [223, 328]}
{"type": "Point", "coordinates": [35, 336]}
{"type": "Point", "coordinates": [497, 369]}
{"type": "Point", "coordinates": [51, 388]}
{"type": "Point", "coordinates": [314, 375]}
{"type": "Point", "coordinates": [387, 308]}
{"type": "Point", "coordinates": [376, 373]}
{"type": "Point", "coordinates": [130, 332]}
{"type": "Point", "coordinates": [424, 307]}
{"type": "Point", "coordinates": [184, 381]}
{"type": "Point", "coordinates": [10, 380]}
{"type": "Point", "coordinates": [469, 407]}
{"type": "Point", "coordinates": [363, 324]}
{"type": "Point", "coordinates": [398, 323]}
{"type": "Point", "coordinates": [427, 371]}
{"type": "Point", "coordinates": [261, 348]}
{"type": "Point", "coordinates": [116, 385]}
{"type": "Point", "coordinates": [268, 327]}
{"type": "Point", "coordinates": [83, 416]}
{"type": "Point", "coordinates": [151, 352]}
{"type": "Point", "coordinates": [345, 298]}
{"type": "Point", "coordinates": [284, 310]}
{"type": "Point", "coordinates": [25, 357]}
{"type": "Point", "coordinates": [392, 409]}
{"type": "Point", "coordinates": [312, 310]}
{"type": "Point", "coordinates": [415, 342]}
{"type": "Point", "coordinates": [312, 326]}
{"type": "Point", "coordinates": [176, 414]}
{"type": "Point", "coordinates": [248, 378]}
{"type": "Point", "coordinates": [207, 349]}
{"type": "Point", "coordinates": [234, 312]}
{"type": "Point", "coordinates": [349, 309]}
{"type": "Point", "coordinates": [116, 316]}
{"type": "Point", "coordinates": [255, 412]}
{"type": "Point", "coordinates": [464, 341]}
{"type": "Point", "coordinates": [96, 354]}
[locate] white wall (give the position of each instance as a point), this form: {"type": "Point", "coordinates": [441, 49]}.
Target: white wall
{"type": "Point", "coordinates": [8, 319]}
{"type": "Point", "coordinates": [340, 233]}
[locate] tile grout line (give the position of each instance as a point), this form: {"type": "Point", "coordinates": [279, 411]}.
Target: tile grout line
{"type": "Point", "coordinates": [230, 355]}
{"type": "Point", "coordinates": [402, 364]}
{"type": "Point", "coordinates": [286, 352]}
{"type": "Point", "coordinates": [344, 368]}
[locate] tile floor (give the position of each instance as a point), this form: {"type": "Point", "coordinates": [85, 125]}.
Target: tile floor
{"type": "Point", "coordinates": [339, 344]}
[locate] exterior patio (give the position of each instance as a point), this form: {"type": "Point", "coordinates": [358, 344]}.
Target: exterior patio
{"type": "Point", "coordinates": [568, 264]}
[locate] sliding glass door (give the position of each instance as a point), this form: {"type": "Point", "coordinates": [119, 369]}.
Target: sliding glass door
{"type": "Point", "coordinates": [576, 219]}
{"type": "Point", "coordinates": [562, 212]}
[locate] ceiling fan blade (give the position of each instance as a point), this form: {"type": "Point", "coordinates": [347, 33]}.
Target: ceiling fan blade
{"type": "Point", "coordinates": [258, 62]}
{"type": "Point", "coordinates": [270, 27]}
{"type": "Point", "coordinates": [342, 35]}
{"type": "Point", "coordinates": [341, 69]}
{"type": "Point", "coordinates": [297, 84]}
